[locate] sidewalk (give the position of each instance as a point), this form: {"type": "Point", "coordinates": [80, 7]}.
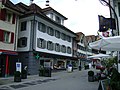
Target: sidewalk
{"type": "Point", "coordinates": [10, 80]}
{"type": "Point", "coordinates": [7, 83]}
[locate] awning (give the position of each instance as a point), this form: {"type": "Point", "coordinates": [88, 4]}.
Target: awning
{"type": "Point", "coordinates": [8, 52]}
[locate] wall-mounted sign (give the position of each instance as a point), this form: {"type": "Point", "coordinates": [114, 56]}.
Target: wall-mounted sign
{"type": "Point", "coordinates": [18, 66]}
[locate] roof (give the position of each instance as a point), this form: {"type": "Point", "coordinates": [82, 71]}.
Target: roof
{"type": "Point", "coordinates": [79, 35]}
{"type": "Point", "coordinates": [90, 38]}
{"type": "Point", "coordinates": [36, 10]}
{"type": "Point", "coordinates": [22, 7]}
{"type": "Point", "coordinates": [51, 9]}
{"type": "Point", "coordinates": [10, 5]}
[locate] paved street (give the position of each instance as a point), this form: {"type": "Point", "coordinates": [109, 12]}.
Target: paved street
{"type": "Point", "coordinates": [63, 80]}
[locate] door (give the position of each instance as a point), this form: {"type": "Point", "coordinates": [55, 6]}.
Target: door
{"type": "Point", "coordinates": [2, 66]}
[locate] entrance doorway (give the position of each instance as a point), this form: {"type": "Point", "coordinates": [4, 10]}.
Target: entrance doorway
{"type": "Point", "coordinates": [2, 66]}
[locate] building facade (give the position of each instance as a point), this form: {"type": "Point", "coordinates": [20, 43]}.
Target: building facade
{"type": "Point", "coordinates": [35, 36]}
{"type": "Point", "coordinates": [43, 39]}
{"type": "Point", "coordinates": [115, 13]}
{"type": "Point", "coordinates": [8, 37]}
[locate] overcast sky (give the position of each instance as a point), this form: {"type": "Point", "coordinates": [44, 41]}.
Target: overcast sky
{"type": "Point", "coordinates": [82, 14]}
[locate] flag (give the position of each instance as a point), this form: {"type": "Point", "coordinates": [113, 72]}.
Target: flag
{"type": "Point", "coordinates": [106, 23]}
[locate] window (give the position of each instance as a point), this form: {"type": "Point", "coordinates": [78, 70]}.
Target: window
{"type": "Point", "coordinates": [57, 34]}
{"type": "Point", "coordinates": [63, 48]}
{"type": "Point", "coordinates": [50, 31]}
{"type": "Point", "coordinates": [63, 36]}
{"type": "Point", "coordinates": [41, 43]}
{"type": "Point", "coordinates": [22, 42]}
{"type": "Point", "coordinates": [6, 37]}
{"type": "Point", "coordinates": [41, 27]}
{"type": "Point", "coordinates": [68, 50]}
{"type": "Point", "coordinates": [68, 38]}
{"type": "Point", "coordinates": [9, 17]}
{"type": "Point", "coordinates": [58, 20]}
{"type": "Point", "coordinates": [51, 15]}
{"type": "Point", "coordinates": [50, 45]}
{"type": "Point", "coordinates": [23, 26]}
{"type": "Point", "coordinates": [57, 47]}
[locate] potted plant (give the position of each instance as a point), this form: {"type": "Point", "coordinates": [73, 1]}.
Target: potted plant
{"type": "Point", "coordinates": [24, 74]}
{"type": "Point", "coordinates": [90, 76]}
{"type": "Point", "coordinates": [115, 80]}
{"type": "Point", "coordinates": [41, 71]}
{"type": "Point", "coordinates": [17, 76]}
{"type": "Point", "coordinates": [47, 72]}
{"type": "Point", "coordinates": [86, 67]}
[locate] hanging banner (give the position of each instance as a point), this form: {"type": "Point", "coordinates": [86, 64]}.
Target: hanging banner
{"type": "Point", "coordinates": [18, 66]}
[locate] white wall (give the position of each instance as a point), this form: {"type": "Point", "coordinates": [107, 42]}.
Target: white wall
{"type": "Point", "coordinates": [10, 28]}
{"type": "Point", "coordinates": [47, 37]}
{"type": "Point", "coordinates": [25, 33]}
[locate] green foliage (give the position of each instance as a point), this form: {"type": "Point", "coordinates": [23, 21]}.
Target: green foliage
{"type": "Point", "coordinates": [90, 73]}
{"type": "Point", "coordinates": [115, 80]}
{"type": "Point", "coordinates": [110, 62]}
{"type": "Point", "coordinates": [24, 71]}
{"type": "Point", "coordinates": [17, 74]}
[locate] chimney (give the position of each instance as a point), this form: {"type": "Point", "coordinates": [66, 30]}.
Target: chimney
{"type": "Point", "coordinates": [47, 2]}
{"type": "Point", "coordinates": [31, 1]}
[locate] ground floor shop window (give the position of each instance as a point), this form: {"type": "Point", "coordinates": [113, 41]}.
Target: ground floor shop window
{"type": "Point", "coordinates": [61, 64]}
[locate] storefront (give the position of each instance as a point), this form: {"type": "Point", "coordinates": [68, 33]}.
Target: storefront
{"type": "Point", "coordinates": [8, 61]}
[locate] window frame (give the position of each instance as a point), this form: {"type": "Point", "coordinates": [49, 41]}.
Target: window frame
{"type": "Point", "coordinates": [6, 37]}
{"type": "Point", "coordinates": [63, 49]}
{"type": "Point", "coordinates": [50, 45]}
{"type": "Point", "coordinates": [9, 16]}
{"type": "Point", "coordinates": [63, 36]}
{"type": "Point", "coordinates": [23, 26]}
{"type": "Point", "coordinates": [41, 43]}
{"type": "Point", "coordinates": [42, 27]}
{"type": "Point", "coordinates": [50, 31]}
{"type": "Point", "coordinates": [21, 43]}
{"type": "Point", "coordinates": [69, 50]}
{"type": "Point", "coordinates": [57, 47]}
{"type": "Point", "coordinates": [57, 34]}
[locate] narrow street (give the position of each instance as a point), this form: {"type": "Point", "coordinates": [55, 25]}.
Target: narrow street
{"type": "Point", "coordinates": [77, 80]}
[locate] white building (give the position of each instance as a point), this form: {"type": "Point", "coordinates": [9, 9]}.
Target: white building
{"type": "Point", "coordinates": [43, 38]}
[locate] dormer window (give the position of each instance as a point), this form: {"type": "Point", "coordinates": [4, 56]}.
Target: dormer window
{"type": "Point", "coordinates": [58, 20]}
{"type": "Point", "coordinates": [51, 15]}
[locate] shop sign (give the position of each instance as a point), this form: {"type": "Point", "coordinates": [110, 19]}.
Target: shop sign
{"type": "Point", "coordinates": [18, 66]}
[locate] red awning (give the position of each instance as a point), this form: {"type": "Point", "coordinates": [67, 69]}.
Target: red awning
{"type": "Point", "coordinates": [8, 52]}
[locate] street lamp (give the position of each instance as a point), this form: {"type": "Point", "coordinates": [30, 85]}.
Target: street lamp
{"type": "Point", "coordinates": [107, 3]}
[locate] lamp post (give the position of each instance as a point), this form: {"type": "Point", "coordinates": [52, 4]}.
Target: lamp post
{"type": "Point", "coordinates": [107, 2]}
